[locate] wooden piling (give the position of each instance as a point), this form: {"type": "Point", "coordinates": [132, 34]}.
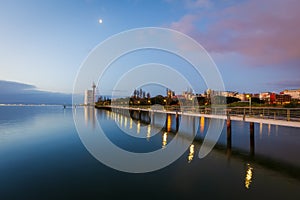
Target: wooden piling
{"type": "Point", "coordinates": [228, 123]}
{"type": "Point", "coordinates": [251, 138]}
{"type": "Point", "coordinates": [177, 122]}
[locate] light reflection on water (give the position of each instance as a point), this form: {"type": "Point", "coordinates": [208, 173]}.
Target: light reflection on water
{"type": "Point", "coordinates": [249, 175]}
{"type": "Point", "coordinates": [191, 153]}
{"type": "Point", "coordinates": [58, 158]}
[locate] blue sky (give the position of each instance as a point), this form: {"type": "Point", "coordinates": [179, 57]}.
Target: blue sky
{"type": "Point", "coordinates": [254, 44]}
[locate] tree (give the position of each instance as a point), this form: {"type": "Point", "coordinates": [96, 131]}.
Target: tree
{"type": "Point", "coordinates": [230, 100]}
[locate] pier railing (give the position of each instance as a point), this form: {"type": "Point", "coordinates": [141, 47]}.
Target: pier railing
{"type": "Point", "coordinates": [286, 114]}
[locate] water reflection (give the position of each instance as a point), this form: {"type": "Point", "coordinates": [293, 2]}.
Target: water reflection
{"type": "Point", "coordinates": [260, 130]}
{"type": "Point", "coordinates": [130, 124]}
{"type": "Point", "coordinates": [148, 132]}
{"type": "Point", "coordinates": [267, 175]}
{"type": "Point", "coordinates": [248, 177]}
{"type": "Point", "coordinates": [125, 122]}
{"type": "Point", "coordinates": [89, 115]}
{"type": "Point", "coordinates": [191, 153]}
{"type": "Point", "coordinates": [138, 127]}
{"type": "Point", "coordinates": [202, 124]}
{"type": "Point", "coordinates": [121, 120]}
{"type": "Point", "coordinates": [164, 141]}
{"type": "Point", "coordinates": [239, 142]}
{"type": "Point", "coordinates": [169, 123]}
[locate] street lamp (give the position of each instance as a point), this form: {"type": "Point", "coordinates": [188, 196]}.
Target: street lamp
{"type": "Point", "coordinates": [249, 97]}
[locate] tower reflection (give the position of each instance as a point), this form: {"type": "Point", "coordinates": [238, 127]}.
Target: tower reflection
{"type": "Point", "coordinates": [89, 115]}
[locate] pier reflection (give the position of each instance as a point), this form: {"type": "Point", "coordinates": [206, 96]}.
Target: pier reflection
{"type": "Point", "coordinates": [169, 122]}
{"type": "Point", "coordinates": [233, 149]}
{"type": "Point", "coordinates": [202, 124]}
{"type": "Point", "coordinates": [148, 132]}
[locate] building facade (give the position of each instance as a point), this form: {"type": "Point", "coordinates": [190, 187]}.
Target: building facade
{"type": "Point", "coordinates": [295, 94]}
{"type": "Point", "coordinates": [89, 98]}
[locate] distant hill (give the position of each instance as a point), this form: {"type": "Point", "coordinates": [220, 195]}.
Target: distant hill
{"type": "Point", "coordinates": [20, 93]}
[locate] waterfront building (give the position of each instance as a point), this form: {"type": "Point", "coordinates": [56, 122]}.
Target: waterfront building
{"type": "Point", "coordinates": [89, 97]}
{"type": "Point", "coordinates": [228, 93]}
{"type": "Point", "coordinates": [242, 97]}
{"type": "Point", "coordinates": [295, 94]}
{"type": "Point", "coordinates": [283, 98]}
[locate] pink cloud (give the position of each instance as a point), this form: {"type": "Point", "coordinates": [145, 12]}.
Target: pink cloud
{"type": "Point", "coordinates": [193, 4]}
{"type": "Point", "coordinates": [266, 32]}
{"type": "Point", "coordinates": [185, 24]}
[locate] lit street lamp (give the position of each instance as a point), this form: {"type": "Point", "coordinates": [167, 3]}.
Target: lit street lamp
{"type": "Point", "coordinates": [249, 97]}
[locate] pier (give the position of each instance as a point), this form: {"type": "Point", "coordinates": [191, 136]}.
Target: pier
{"type": "Point", "coordinates": [275, 116]}
{"type": "Point", "coordinates": [147, 116]}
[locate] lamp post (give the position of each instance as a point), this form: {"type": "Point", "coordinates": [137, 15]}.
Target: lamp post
{"type": "Point", "coordinates": [249, 97]}
{"type": "Point", "coordinates": [165, 101]}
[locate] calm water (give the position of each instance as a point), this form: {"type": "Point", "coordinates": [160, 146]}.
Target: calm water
{"type": "Point", "coordinates": [42, 157]}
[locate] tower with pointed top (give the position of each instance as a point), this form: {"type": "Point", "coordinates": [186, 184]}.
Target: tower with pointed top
{"type": "Point", "coordinates": [94, 89]}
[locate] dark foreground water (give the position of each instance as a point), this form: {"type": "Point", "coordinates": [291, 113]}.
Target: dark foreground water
{"type": "Point", "coordinates": [42, 157]}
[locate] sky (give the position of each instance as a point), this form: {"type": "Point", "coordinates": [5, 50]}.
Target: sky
{"type": "Point", "coordinates": [255, 44]}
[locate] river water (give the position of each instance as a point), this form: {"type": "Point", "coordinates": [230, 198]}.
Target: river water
{"type": "Point", "coordinates": [42, 157]}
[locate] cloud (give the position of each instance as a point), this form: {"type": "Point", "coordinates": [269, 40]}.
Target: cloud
{"type": "Point", "coordinates": [10, 87]}
{"type": "Point", "coordinates": [291, 84]}
{"type": "Point", "coordinates": [266, 32]}
{"type": "Point", "coordinates": [185, 24]}
{"type": "Point", "coordinates": [195, 4]}
{"type": "Point", "coordinates": [21, 93]}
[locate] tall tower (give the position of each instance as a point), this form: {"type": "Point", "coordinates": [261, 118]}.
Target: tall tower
{"type": "Point", "coordinates": [94, 89]}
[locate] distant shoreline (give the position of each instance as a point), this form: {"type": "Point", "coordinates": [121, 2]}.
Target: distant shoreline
{"type": "Point", "coordinates": [12, 104]}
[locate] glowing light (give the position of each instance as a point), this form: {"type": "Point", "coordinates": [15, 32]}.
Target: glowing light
{"type": "Point", "coordinates": [191, 154]}
{"type": "Point", "coordinates": [100, 21]}
{"type": "Point", "coordinates": [248, 178]}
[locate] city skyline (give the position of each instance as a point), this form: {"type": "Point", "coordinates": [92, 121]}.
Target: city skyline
{"type": "Point", "coordinates": [253, 44]}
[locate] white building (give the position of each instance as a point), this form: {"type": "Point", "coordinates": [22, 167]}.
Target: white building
{"type": "Point", "coordinates": [89, 98]}
{"type": "Point", "coordinates": [228, 93]}
{"type": "Point", "coordinates": [295, 94]}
